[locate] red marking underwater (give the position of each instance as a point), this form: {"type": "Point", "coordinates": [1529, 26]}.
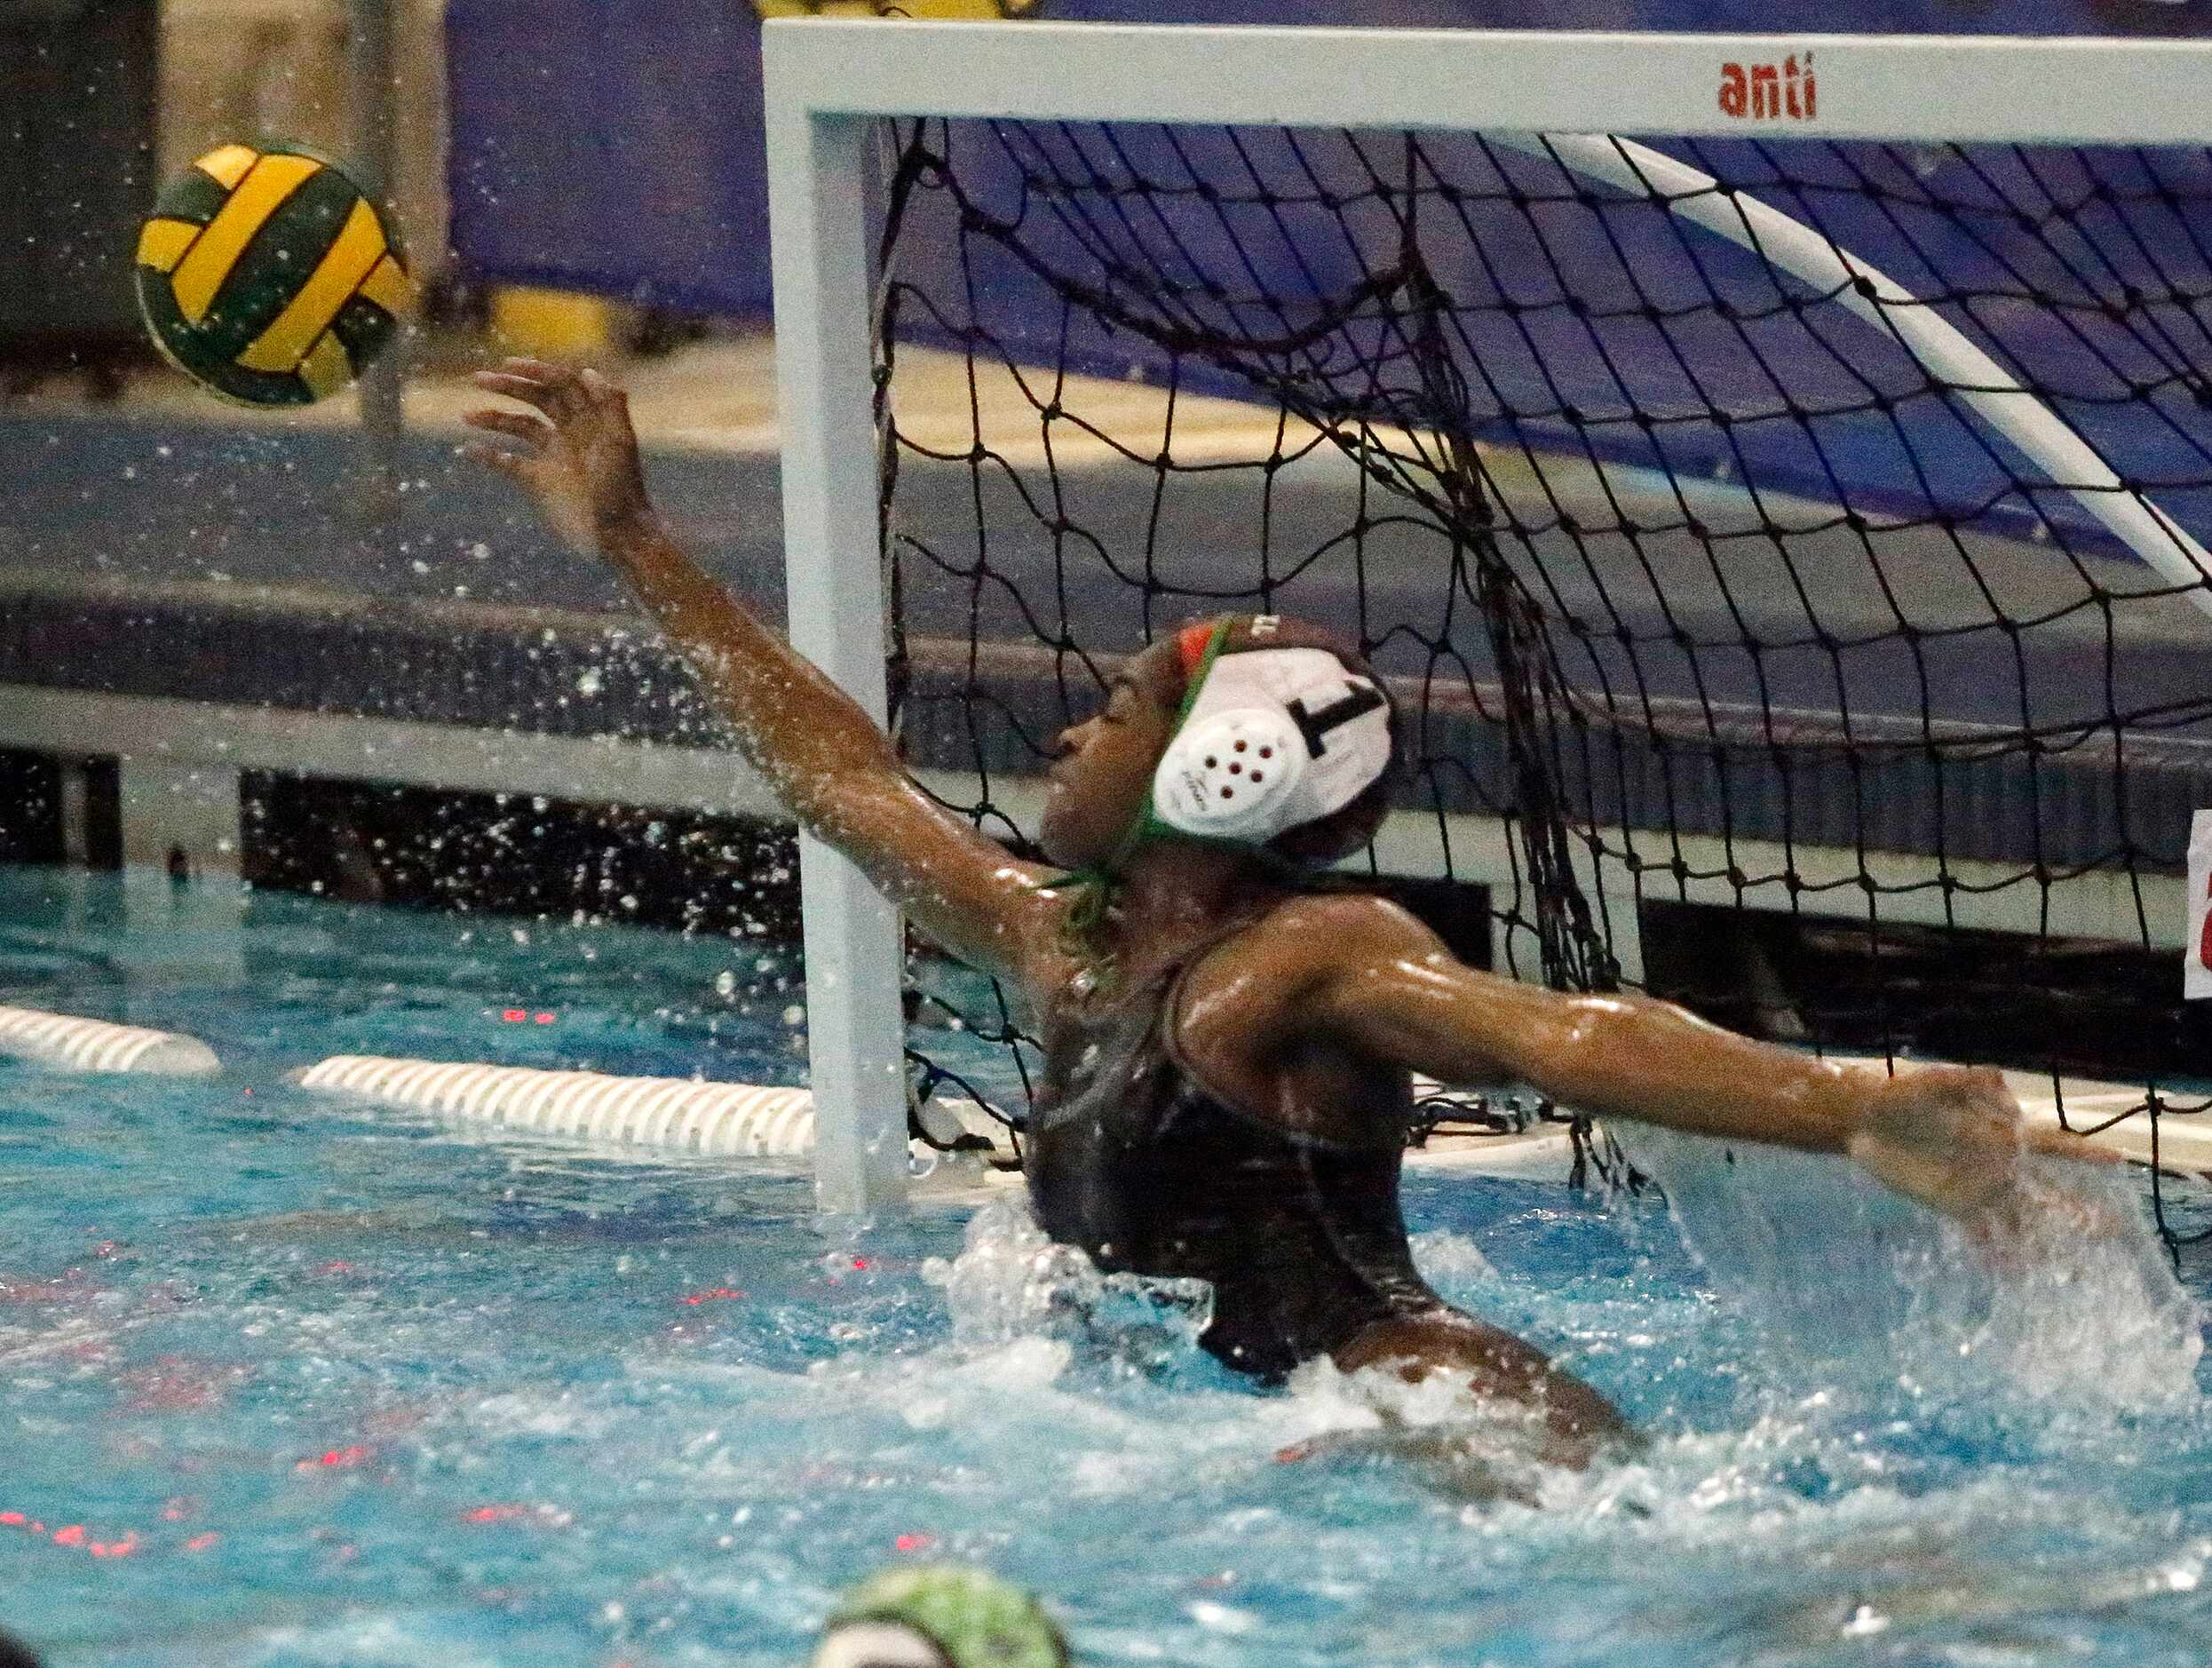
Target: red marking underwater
{"type": "Point", "coordinates": [510, 1512]}
{"type": "Point", "coordinates": [75, 1536]}
{"type": "Point", "coordinates": [337, 1459]}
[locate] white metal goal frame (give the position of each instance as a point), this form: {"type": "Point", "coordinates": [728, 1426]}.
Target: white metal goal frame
{"type": "Point", "coordinates": [829, 80]}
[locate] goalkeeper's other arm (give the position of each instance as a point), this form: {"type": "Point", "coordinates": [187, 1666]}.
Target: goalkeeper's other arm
{"type": "Point", "coordinates": [825, 759]}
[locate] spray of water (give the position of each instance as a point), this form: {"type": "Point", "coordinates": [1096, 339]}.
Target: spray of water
{"type": "Point", "coordinates": [1848, 1278]}
{"type": "Point", "coordinates": [1011, 1281]}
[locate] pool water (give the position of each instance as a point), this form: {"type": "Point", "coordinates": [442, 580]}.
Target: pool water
{"type": "Point", "coordinates": [287, 1382]}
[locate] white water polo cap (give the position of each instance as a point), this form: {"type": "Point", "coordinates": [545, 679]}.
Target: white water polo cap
{"type": "Point", "coordinates": [1270, 738]}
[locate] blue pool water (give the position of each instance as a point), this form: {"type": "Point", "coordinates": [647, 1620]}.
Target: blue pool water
{"type": "Point", "coordinates": [283, 1382]}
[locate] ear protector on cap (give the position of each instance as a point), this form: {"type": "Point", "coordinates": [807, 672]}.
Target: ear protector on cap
{"type": "Point", "coordinates": [1269, 739]}
{"type": "Point", "coordinates": [1229, 774]}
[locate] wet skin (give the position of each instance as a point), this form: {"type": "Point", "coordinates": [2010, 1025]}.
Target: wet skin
{"type": "Point", "coordinates": [1314, 987]}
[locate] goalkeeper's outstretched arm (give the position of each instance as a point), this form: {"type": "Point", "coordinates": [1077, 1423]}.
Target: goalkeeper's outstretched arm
{"type": "Point", "coordinates": [826, 760]}
{"type": "Point", "coordinates": [1367, 973]}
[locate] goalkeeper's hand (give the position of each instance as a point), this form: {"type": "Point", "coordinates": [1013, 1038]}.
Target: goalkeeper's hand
{"type": "Point", "coordinates": [578, 457]}
{"type": "Point", "coordinates": [1953, 1137]}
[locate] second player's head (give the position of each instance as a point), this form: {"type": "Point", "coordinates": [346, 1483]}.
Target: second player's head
{"type": "Point", "coordinates": [1249, 730]}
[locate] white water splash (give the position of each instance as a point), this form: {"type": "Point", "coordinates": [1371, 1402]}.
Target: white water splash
{"type": "Point", "coordinates": [1010, 1281]}
{"type": "Point", "coordinates": [1024, 1309]}
{"type": "Point", "coordinates": [1842, 1272]}
{"type": "Point", "coordinates": [1448, 1259]}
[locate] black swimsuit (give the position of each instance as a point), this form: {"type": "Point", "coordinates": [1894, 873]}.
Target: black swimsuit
{"type": "Point", "coordinates": [1130, 1158]}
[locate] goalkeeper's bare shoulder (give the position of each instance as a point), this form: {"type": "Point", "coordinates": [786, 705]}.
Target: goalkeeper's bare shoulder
{"type": "Point", "coordinates": [1345, 977]}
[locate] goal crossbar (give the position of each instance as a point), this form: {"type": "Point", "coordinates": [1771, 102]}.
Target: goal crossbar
{"type": "Point", "coordinates": [1971, 88]}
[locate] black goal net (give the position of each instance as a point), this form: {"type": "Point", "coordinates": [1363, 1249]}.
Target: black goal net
{"type": "Point", "coordinates": [1786, 550]}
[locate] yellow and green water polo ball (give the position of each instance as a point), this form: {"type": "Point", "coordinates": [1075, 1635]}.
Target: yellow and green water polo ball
{"type": "Point", "coordinates": [268, 276]}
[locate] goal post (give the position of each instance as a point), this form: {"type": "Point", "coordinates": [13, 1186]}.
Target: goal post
{"type": "Point", "coordinates": [1790, 274]}
{"type": "Point", "coordinates": [818, 187]}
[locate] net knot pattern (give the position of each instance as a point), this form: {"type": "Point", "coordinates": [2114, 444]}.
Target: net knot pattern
{"type": "Point", "coordinates": [1702, 583]}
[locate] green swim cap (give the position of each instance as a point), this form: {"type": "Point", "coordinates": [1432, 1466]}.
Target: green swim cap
{"type": "Point", "coordinates": [940, 1616]}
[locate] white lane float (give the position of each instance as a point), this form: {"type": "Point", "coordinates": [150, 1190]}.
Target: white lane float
{"type": "Point", "coordinates": [738, 1120]}
{"type": "Point", "coordinates": [734, 1120]}
{"type": "Point", "coordinates": [64, 1042]}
